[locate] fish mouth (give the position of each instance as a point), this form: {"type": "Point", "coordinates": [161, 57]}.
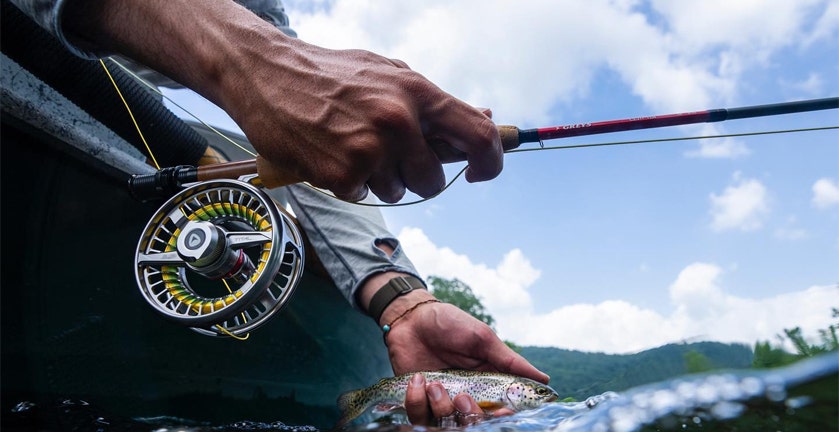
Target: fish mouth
{"type": "Point", "coordinates": [552, 398]}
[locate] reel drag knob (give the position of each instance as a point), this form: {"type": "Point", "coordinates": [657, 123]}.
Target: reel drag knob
{"type": "Point", "coordinates": [205, 249]}
{"type": "Point", "coordinates": [220, 257]}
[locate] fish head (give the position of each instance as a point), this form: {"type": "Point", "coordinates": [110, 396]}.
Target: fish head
{"type": "Point", "coordinates": [525, 394]}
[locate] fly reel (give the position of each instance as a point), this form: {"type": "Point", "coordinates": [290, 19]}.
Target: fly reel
{"type": "Point", "coordinates": [220, 257]}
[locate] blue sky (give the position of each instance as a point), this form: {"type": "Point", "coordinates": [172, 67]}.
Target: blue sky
{"type": "Point", "coordinates": [623, 248]}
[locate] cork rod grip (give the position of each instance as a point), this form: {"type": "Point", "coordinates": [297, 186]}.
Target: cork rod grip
{"type": "Point", "coordinates": [271, 177]}
{"type": "Point", "coordinates": [509, 137]}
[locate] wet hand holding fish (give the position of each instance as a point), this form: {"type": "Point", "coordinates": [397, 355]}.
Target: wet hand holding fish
{"type": "Point", "coordinates": [490, 390]}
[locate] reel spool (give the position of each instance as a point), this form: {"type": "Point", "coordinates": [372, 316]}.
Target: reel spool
{"type": "Point", "coordinates": [220, 257]}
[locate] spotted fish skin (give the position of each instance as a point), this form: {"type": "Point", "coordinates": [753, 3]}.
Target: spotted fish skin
{"type": "Point", "coordinates": [490, 390]}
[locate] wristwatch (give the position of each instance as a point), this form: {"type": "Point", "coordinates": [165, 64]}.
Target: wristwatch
{"type": "Point", "coordinates": [400, 285]}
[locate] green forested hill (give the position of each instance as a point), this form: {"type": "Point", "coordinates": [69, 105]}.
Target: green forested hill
{"type": "Point", "coordinates": [580, 375]}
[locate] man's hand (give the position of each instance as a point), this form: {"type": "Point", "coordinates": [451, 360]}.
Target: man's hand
{"type": "Point", "coordinates": [439, 336]}
{"type": "Point", "coordinates": [342, 120]}
{"type": "Point", "coordinates": [357, 120]}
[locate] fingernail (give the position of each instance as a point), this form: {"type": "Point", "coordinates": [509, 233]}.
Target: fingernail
{"type": "Point", "coordinates": [417, 379]}
{"type": "Point", "coordinates": [435, 392]}
{"type": "Point", "coordinates": [462, 404]}
{"type": "Point", "coordinates": [362, 194]}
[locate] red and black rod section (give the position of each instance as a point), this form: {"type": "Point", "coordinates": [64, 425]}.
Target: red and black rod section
{"type": "Point", "coordinates": [708, 116]}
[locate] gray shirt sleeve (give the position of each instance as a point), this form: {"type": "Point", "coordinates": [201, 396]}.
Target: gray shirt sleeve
{"type": "Point", "coordinates": [346, 237]}
{"type": "Point", "coordinates": [48, 14]}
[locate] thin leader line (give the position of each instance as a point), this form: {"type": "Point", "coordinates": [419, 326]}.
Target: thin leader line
{"type": "Point", "coordinates": [733, 135]}
{"type": "Point", "coordinates": [603, 144]}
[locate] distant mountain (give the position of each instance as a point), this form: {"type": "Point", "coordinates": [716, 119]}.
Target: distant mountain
{"type": "Point", "coordinates": [580, 375]}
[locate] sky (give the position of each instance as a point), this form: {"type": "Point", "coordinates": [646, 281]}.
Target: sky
{"type": "Point", "coordinates": [624, 248]}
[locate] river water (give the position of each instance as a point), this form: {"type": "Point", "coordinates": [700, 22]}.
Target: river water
{"type": "Point", "coordinates": [800, 397]}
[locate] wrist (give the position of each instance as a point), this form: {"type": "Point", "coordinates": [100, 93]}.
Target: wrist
{"type": "Point", "coordinates": [394, 299]}
{"type": "Point", "coordinates": [400, 305]}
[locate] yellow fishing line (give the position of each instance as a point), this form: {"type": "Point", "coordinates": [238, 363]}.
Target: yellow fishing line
{"type": "Point", "coordinates": [224, 330]}
{"type": "Point", "coordinates": [227, 332]}
{"type": "Point", "coordinates": [130, 114]}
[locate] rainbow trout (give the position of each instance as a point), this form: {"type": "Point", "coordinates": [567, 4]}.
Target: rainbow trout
{"type": "Point", "coordinates": [490, 390]}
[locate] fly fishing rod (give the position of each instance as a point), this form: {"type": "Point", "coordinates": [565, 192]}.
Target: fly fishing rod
{"type": "Point", "coordinates": [220, 226]}
{"type": "Point", "coordinates": [169, 180]}
{"type": "Point", "coordinates": [708, 116]}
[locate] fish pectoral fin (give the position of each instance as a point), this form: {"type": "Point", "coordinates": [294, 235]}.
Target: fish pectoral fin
{"type": "Point", "coordinates": [386, 407]}
{"type": "Point", "coordinates": [490, 405]}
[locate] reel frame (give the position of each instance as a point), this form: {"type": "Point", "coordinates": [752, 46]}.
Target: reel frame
{"type": "Point", "coordinates": [227, 230]}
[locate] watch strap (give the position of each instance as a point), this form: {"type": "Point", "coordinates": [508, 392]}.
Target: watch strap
{"type": "Point", "coordinates": [400, 285]}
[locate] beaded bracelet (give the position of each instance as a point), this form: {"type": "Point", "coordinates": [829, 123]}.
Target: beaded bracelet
{"type": "Point", "coordinates": [386, 328]}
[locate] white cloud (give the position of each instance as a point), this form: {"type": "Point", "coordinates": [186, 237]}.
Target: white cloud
{"type": "Point", "coordinates": [501, 289]}
{"type": "Point", "coordinates": [718, 148]}
{"type": "Point", "coordinates": [827, 25]}
{"type": "Point", "coordinates": [701, 307]}
{"type": "Point", "coordinates": [695, 293]}
{"type": "Point", "coordinates": [724, 148]}
{"type": "Point", "coordinates": [753, 25]}
{"type": "Point", "coordinates": [825, 193]}
{"type": "Point", "coordinates": [612, 326]}
{"type": "Point", "coordinates": [742, 206]}
{"type": "Point", "coordinates": [814, 85]}
{"type": "Point", "coordinates": [524, 59]}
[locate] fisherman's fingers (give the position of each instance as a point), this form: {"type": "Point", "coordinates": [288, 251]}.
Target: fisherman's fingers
{"type": "Point", "coordinates": [468, 411]}
{"type": "Point", "coordinates": [416, 401]}
{"type": "Point", "coordinates": [502, 412]}
{"type": "Point", "coordinates": [505, 360]}
{"type": "Point", "coordinates": [441, 403]}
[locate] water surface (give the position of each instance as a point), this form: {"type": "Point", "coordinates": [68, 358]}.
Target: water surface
{"type": "Point", "coordinates": [800, 397]}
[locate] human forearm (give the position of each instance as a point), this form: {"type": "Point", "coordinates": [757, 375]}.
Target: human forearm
{"type": "Point", "coordinates": [192, 41]}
